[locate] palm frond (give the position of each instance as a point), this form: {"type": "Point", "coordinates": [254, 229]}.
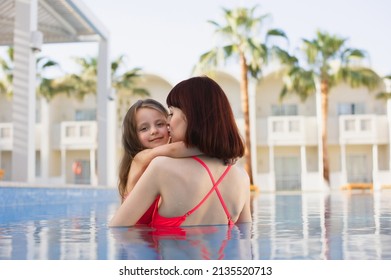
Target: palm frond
{"type": "Point", "coordinates": [276, 32]}
{"type": "Point", "coordinates": [357, 77]}
{"type": "Point", "coordinates": [240, 34]}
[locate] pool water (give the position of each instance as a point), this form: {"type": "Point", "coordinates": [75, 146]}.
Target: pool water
{"type": "Point", "coordinates": [71, 224]}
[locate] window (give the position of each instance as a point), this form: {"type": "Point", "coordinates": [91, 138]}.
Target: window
{"type": "Point", "coordinates": [351, 108]}
{"type": "Point", "coordinates": [288, 173]}
{"type": "Point", "coordinates": [284, 110]}
{"type": "Point", "coordinates": [5, 132]}
{"type": "Point", "coordinates": [85, 115]}
{"type": "Point", "coordinates": [81, 171]}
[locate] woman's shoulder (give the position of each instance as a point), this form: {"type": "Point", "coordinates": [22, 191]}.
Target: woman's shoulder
{"type": "Point", "coordinates": [241, 173]}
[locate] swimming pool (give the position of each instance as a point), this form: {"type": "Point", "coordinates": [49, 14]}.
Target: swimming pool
{"type": "Point", "coordinates": [71, 224]}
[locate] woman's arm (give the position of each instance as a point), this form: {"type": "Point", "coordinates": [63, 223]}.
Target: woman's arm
{"type": "Point", "coordinates": [245, 214]}
{"type": "Point", "coordinates": [143, 158]}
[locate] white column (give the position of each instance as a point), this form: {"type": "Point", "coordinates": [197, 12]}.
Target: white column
{"type": "Point", "coordinates": [375, 167]}
{"type": "Point", "coordinates": [23, 150]}
{"type": "Point", "coordinates": [45, 140]}
{"type": "Point", "coordinates": [63, 166]}
{"type": "Point", "coordinates": [93, 178]}
{"type": "Point", "coordinates": [389, 133]}
{"type": "Point", "coordinates": [272, 176]}
{"type": "Point", "coordinates": [344, 172]}
{"type": "Point", "coordinates": [106, 120]}
{"type": "Point", "coordinates": [253, 129]}
{"type": "Point", "coordinates": [318, 99]}
{"type": "Point", "coordinates": [303, 159]}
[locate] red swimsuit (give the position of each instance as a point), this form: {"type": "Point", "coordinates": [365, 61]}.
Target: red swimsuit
{"type": "Point", "coordinates": [160, 221]}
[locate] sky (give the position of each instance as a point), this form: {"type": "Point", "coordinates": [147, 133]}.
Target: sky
{"type": "Point", "coordinates": [166, 37]}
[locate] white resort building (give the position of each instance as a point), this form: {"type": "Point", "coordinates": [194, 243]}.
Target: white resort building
{"type": "Point", "coordinates": [285, 135]}
{"type": "Point", "coordinates": [71, 141]}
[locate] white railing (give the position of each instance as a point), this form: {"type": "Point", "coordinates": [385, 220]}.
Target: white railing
{"type": "Point", "coordinates": [291, 130]}
{"type": "Point", "coordinates": [81, 134]}
{"type": "Point", "coordinates": [78, 134]}
{"type": "Point", "coordinates": [6, 131]}
{"type": "Point", "coordinates": [382, 178]}
{"type": "Point", "coordinates": [38, 132]}
{"type": "Point", "coordinates": [363, 129]}
{"type": "Point", "coordinates": [6, 136]}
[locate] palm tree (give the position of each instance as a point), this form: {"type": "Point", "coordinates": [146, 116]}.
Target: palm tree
{"type": "Point", "coordinates": [7, 69]}
{"type": "Point", "coordinates": [241, 38]}
{"type": "Point", "coordinates": [46, 86]}
{"type": "Point", "coordinates": [385, 94]}
{"type": "Point", "coordinates": [85, 82]}
{"type": "Point", "coordinates": [327, 62]}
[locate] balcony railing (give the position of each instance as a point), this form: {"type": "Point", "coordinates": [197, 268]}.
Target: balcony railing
{"type": "Point", "coordinates": [6, 131]}
{"type": "Point", "coordinates": [77, 134]}
{"type": "Point", "coordinates": [6, 136]}
{"type": "Point", "coordinates": [363, 129]}
{"type": "Point", "coordinates": [292, 130]}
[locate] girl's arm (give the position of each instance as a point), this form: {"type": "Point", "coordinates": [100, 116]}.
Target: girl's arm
{"type": "Point", "coordinates": [140, 199]}
{"type": "Point", "coordinates": [143, 158]}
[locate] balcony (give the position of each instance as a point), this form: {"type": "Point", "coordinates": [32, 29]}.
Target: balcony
{"type": "Point", "coordinates": [363, 129]}
{"type": "Point", "coordinates": [291, 130]}
{"type": "Point", "coordinates": [6, 136]}
{"type": "Point", "coordinates": [6, 131]}
{"type": "Point", "coordinates": [75, 135]}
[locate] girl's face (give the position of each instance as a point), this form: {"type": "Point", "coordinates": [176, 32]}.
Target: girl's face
{"type": "Point", "coordinates": [151, 128]}
{"type": "Point", "coordinates": [178, 124]}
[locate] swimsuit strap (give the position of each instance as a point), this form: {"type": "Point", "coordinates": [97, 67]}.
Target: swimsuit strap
{"type": "Point", "coordinates": [214, 188]}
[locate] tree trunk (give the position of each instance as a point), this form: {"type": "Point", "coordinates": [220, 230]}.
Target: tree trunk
{"type": "Point", "coordinates": [324, 89]}
{"type": "Point", "coordinates": [246, 115]}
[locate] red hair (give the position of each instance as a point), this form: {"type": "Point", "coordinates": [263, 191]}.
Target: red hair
{"type": "Point", "coordinates": [211, 124]}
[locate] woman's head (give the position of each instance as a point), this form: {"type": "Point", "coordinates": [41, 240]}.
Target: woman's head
{"type": "Point", "coordinates": [144, 126]}
{"type": "Point", "coordinates": [207, 113]}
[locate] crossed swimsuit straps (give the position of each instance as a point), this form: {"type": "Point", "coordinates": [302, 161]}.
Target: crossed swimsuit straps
{"type": "Point", "coordinates": [159, 221]}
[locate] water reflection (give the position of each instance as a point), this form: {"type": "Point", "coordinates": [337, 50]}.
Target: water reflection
{"type": "Point", "coordinates": [192, 243]}
{"type": "Point", "coordinates": [341, 225]}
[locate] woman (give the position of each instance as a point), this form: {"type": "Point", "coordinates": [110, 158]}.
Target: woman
{"type": "Point", "coordinates": [195, 190]}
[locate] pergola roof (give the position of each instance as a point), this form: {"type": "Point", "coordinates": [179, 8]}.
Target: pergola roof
{"type": "Point", "coordinates": [60, 21]}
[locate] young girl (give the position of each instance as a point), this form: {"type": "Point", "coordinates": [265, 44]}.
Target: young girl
{"type": "Point", "coordinates": [145, 136]}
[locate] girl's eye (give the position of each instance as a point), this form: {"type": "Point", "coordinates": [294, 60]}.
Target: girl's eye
{"type": "Point", "coordinates": [170, 115]}
{"type": "Point", "coordinates": [161, 124]}
{"type": "Point", "coordinates": [143, 129]}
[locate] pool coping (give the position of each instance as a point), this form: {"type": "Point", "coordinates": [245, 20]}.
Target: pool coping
{"type": "Point", "coordinates": [9, 184]}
